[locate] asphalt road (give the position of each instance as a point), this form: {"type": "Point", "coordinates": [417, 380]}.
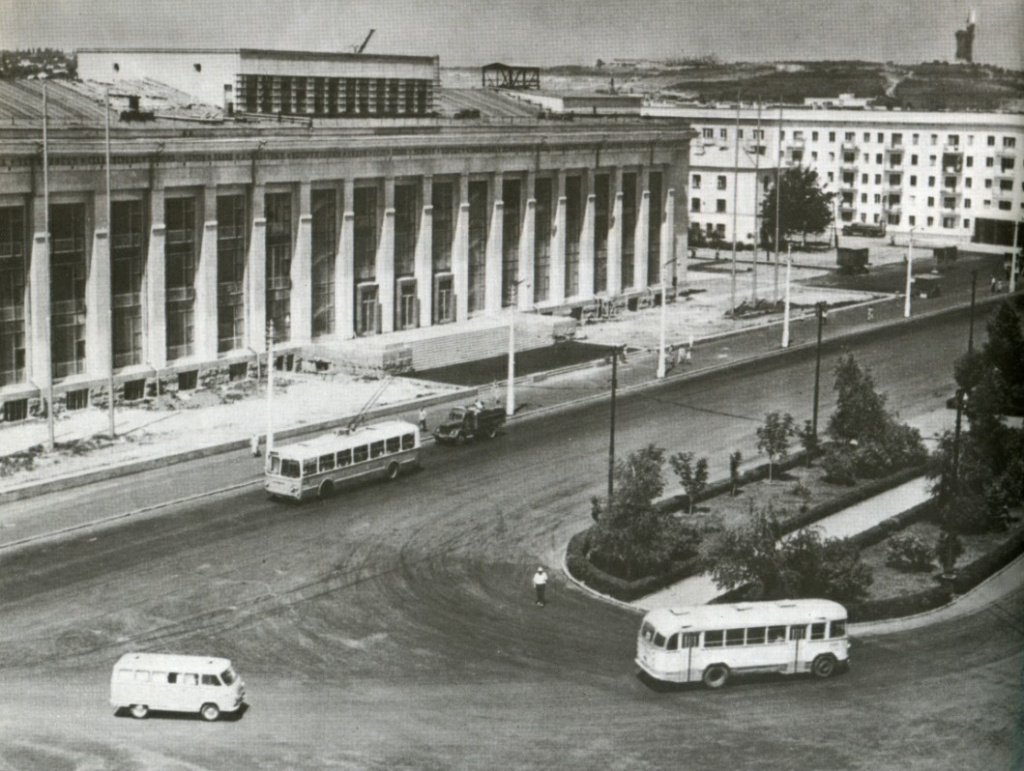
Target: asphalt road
{"type": "Point", "coordinates": [392, 626]}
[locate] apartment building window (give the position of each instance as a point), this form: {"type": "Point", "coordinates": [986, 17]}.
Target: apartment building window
{"type": "Point", "coordinates": [814, 136]}
{"type": "Point", "coordinates": [895, 159]}
{"type": "Point", "coordinates": [798, 135]}
{"type": "Point", "coordinates": [991, 141]}
{"type": "Point", "coordinates": [931, 221]}
{"type": "Point", "coordinates": [968, 182]}
{"type": "Point", "coordinates": [866, 158]}
{"type": "Point", "coordinates": [953, 140]}
{"type": "Point", "coordinates": [914, 139]}
{"type": "Point", "coordinates": [897, 139]}
{"type": "Point", "coordinates": [831, 156]}
{"type": "Point", "coordinates": [895, 179]}
{"type": "Point", "coordinates": [970, 161]}
{"type": "Point", "coordinates": [782, 134]}
{"type": "Point", "coordinates": [867, 136]}
{"type": "Point", "coordinates": [970, 140]}
{"type": "Point", "coordinates": [863, 197]}
{"type": "Point", "coordinates": [931, 181]}
{"type": "Point", "coordinates": [1005, 205]}
{"type": "Point", "coordinates": [722, 182]}
{"type": "Point", "coordinates": [881, 138]}
{"type": "Point", "coordinates": [950, 183]}
{"type": "Point", "coordinates": [878, 158]}
{"type": "Point", "coordinates": [935, 139]}
{"type": "Point", "coordinates": [967, 203]}
{"type": "Point", "coordinates": [850, 137]}
{"type": "Point", "coordinates": [949, 203]}
{"type": "Point", "coordinates": [967, 224]}
{"type": "Point", "coordinates": [878, 198]}
{"type": "Point", "coordinates": [863, 179]}
{"type": "Point", "coordinates": [931, 160]}
{"type": "Point", "coordinates": [831, 136]}
{"type": "Point", "coordinates": [931, 200]}
{"type": "Point", "coordinates": [696, 182]}
{"type": "Point", "coordinates": [1009, 142]}
{"type": "Point", "coordinates": [986, 204]}
{"type": "Point", "coordinates": [720, 206]}
{"type": "Point", "coordinates": [814, 155]}
{"type": "Point", "coordinates": [180, 252]}
{"type": "Point", "coordinates": [831, 176]}
{"type": "Point", "coordinates": [695, 205]}
{"type": "Point", "coordinates": [949, 222]}
{"type": "Point", "coordinates": [913, 160]}
{"type": "Point", "coordinates": [231, 232]}
{"type": "Point", "coordinates": [989, 163]}
{"type": "Point", "coordinates": [913, 180]}
{"type": "Point", "coordinates": [878, 179]}
{"type": "Point", "coordinates": [723, 133]}
{"type": "Point", "coordinates": [911, 220]}
{"type": "Point", "coordinates": [708, 133]}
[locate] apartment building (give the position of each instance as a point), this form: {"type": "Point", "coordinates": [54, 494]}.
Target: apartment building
{"type": "Point", "coordinates": [954, 178]}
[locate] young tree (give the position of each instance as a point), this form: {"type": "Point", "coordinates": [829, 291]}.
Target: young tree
{"type": "Point", "coordinates": [808, 440]}
{"type": "Point", "coordinates": [860, 410]}
{"type": "Point", "coordinates": [773, 438]}
{"type": "Point", "coordinates": [735, 459]}
{"type": "Point", "coordinates": [804, 207]}
{"type": "Point", "coordinates": [692, 476]}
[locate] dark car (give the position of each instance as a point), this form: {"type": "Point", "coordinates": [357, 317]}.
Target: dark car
{"type": "Point", "coordinates": [864, 229]}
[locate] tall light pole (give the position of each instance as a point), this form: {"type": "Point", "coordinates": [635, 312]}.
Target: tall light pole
{"type": "Point", "coordinates": [110, 258]}
{"type": "Point", "coordinates": [817, 373]}
{"type": "Point", "coordinates": [270, 387]}
{"type": "Point", "coordinates": [510, 391]}
{"type": "Point", "coordinates": [1013, 259]}
{"type": "Point", "coordinates": [785, 312]}
{"type": "Point", "coordinates": [910, 276]}
{"type": "Point", "coordinates": [778, 202]}
{"type": "Point", "coordinates": [662, 365]}
{"type": "Point", "coordinates": [735, 207]}
{"type": "Point", "coordinates": [611, 434]}
{"type": "Point", "coordinates": [50, 443]}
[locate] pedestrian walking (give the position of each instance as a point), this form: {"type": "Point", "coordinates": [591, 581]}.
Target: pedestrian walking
{"type": "Point", "coordinates": [677, 354]}
{"type": "Point", "coordinates": [423, 419]}
{"type": "Point", "coordinates": [254, 445]}
{"type": "Point", "coordinates": [540, 580]}
{"type": "Point", "coordinates": [871, 314]}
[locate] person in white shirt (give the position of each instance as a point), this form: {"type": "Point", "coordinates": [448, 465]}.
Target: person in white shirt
{"type": "Point", "coordinates": [540, 580]}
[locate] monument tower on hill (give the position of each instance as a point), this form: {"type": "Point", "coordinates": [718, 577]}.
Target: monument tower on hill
{"type": "Point", "coordinates": [965, 40]}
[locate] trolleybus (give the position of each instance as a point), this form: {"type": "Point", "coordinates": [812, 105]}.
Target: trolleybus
{"type": "Point", "coordinates": [316, 467]}
{"type": "Point", "coordinates": [711, 643]}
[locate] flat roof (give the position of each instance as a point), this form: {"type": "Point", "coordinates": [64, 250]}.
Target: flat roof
{"type": "Point", "coordinates": [263, 53]}
{"type": "Point", "coordinates": [745, 614]}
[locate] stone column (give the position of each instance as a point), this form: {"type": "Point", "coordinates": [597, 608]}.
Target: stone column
{"type": "Point", "coordinates": [345, 268]}
{"type": "Point", "coordinates": [527, 245]}
{"type": "Point", "coordinates": [615, 236]}
{"type": "Point", "coordinates": [557, 270]}
{"type": "Point", "coordinates": [668, 229]}
{"type": "Point", "coordinates": [460, 253]}
{"type": "Point", "coordinates": [205, 308]}
{"type": "Point", "coordinates": [675, 207]}
{"type": "Point", "coordinates": [155, 284]}
{"type": "Point", "coordinates": [587, 237]}
{"type": "Point", "coordinates": [385, 260]}
{"type": "Point", "coordinates": [424, 260]}
{"type": "Point", "coordinates": [256, 273]}
{"type": "Point", "coordinates": [39, 359]}
{"type": "Point", "coordinates": [302, 270]}
{"type": "Point", "coordinates": [98, 299]}
{"type": "Point", "coordinates": [495, 243]}
{"type": "Point", "coordinates": [642, 233]}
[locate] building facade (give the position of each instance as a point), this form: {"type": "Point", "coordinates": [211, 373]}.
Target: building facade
{"type": "Point", "coordinates": [212, 233]}
{"type": "Point", "coordinates": [954, 178]}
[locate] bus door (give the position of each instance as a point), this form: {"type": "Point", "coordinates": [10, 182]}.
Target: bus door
{"type": "Point", "coordinates": [690, 641]}
{"type": "Point", "coordinates": [797, 634]}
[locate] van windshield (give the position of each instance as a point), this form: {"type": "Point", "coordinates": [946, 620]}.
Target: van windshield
{"type": "Point", "coordinates": [228, 676]}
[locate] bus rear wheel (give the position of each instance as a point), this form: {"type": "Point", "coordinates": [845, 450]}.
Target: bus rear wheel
{"type": "Point", "coordinates": [824, 666]}
{"type": "Point", "coordinates": [139, 711]}
{"type": "Point", "coordinates": [326, 488]}
{"type": "Point", "coordinates": [716, 676]}
{"type": "Point", "coordinates": [391, 472]}
{"type": "Point", "coordinates": [209, 712]}
{"type": "Point", "coordinates": [491, 433]}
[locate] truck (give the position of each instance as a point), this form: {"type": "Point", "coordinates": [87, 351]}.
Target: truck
{"type": "Point", "coordinates": [469, 422]}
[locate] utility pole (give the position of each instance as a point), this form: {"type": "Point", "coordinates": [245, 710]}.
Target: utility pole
{"type": "Point", "coordinates": [970, 332]}
{"type": "Point", "coordinates": [50, 444]}
{"type": "Point", "coordinates": [735, 206]}
{"type": "Point", "coordinates": [270, 387]}
{"type": "Point", "coordinates": [757, 207]}
{"type": "Point", "coordinates": [785, 312]}
{"type": "Point", "coordinates": [910, 277]}
{"type": "Point", "coordinates": [110, 258]}
{"type": "Point", "coordinates": [611, 439]}
{"type": "Point", "coordinates": [510, 391]}
{"type": "Point", "coordinates": [778, 202]}
{"type": "Point", "coordinates": [817, 373]}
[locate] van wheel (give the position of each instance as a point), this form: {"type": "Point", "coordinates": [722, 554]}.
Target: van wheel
{"type": "Point", "coordinates": [139, 711]}
{"type": "Point", "coordinates": [209, 712]}
{"type": "Point", "coordinates": [824, 666]}
{"type": "Point", "coordinates": [391, 472]}
{"type": "Point", "coordinates": [460, 439]}
{"type": "Point", "coordinates": [326, 488]}
{"type": "Point", "coordinates": [491, 433]}
{"type": "Point", "coordinates": [716, 676]}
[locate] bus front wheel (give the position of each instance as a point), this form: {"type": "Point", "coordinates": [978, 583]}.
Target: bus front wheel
{"type": "Point", "coordinates": [209, 712]}
{"type": "Point", "coordinates": [326, 488]}
{"type": "Point", "coordinates": [716, 676]}
{"type": "Point", "coordinates": [139, 711]}
{"type": "Point", "coordinates": [391, 472]}
{"type": "Point", "coordinates": [824, 666]}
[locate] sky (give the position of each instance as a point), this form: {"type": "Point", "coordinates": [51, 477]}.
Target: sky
{"type": "Point", "coordinates": [533, 32]}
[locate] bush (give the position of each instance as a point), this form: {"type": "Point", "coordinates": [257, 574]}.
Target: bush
{"type": "Point", "coordinates": [908, 553]}
{"type": "Point", "coordinates": [838, 464]}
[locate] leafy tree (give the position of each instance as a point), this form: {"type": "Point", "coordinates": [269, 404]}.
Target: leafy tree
{"type": "Point", "coordinates": [802, 565]}
{"type": "Point", "coordinates": [773, 438]}
{"type": "Point", "coordinates": [808, 440]}
{"type": "Point", "coordinates": [908, 552]}
{"type": "Point", "coordinates": [735, 459]}
{"type": "Point", "coordinates": [692, 476]}
{"type": "Point", "coordinates": [804, 206]}
{"type": "Point", "coordinates": [860, 410]}
{"type": "Point", "coordinates": [631, 537]}
{"type": "Point", "coordinates": [948, 549]}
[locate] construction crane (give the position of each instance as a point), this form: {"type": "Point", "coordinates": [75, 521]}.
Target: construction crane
{"type": "Point", "coordinates": [360, 48]}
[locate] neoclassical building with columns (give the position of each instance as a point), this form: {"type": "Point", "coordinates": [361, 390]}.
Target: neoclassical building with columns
{"type": "Point", "coordinates": [333, 234]}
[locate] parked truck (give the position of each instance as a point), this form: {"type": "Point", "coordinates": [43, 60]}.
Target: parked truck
{"type": "Point", "coordinates": [469, 422]}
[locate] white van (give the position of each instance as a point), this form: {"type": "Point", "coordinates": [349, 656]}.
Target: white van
{"type": "Point", "coordinates": [161, 681]}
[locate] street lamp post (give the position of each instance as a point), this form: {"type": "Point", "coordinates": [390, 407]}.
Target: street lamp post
{"type": "Point", "coordinates": [910, 276]}
{"type": "Point", "coordinates": [510, 392]}
{"type": "Point", "coordinates": [270, 387]}
{"type": "Point", "coordinates": [817, 373]}
{"type": "Point", "coordinates": [1013, 259]}
{"type": "Point", "coordinates": [662, 365]}
{"type": "Point", "coordinates": [611, 434]}
{"type": "Point", "coordinates": [785, 311]}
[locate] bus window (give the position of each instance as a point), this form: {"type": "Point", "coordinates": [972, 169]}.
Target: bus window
{"type": "Point", "coordinates": [797, 632]}
{"type": "Point", "coordinates": [344, 458]}
{"type": "Point", "coordinates": [408, 441]}
{"type": "Point", "coordinates": [275, 463]}
{"type": "Point", "coordinates": [713, 639]}
{"type": "Point", "coordinates": [838, 629]}
{"type": "Point", "coordinates": [673, 642]}
{"type": "Point", "coordinates": [361, 453]}
{"type": "Point", "coordinates": [691, 639]}
{"type": "Point", "coordinates": [210, 680]}
{"type": "Point", "coordinates": [818, 631]}
{"type": "Point", "coordinates": [647, 632]}
{"type": "Point", "coordinates": [327, 462]}
{"type": "Point", "coordinates": [376, 449]}
{"type": "Point", "coordinates": [755, 635]}
{"type": "Point", "coordinates": [394, 444]}
{"type": "Point", "coordinates": [309, 467]}
{"type": "Point", "coordinates": [776, 634]}
{"type": "Point", "coordinates": [290, 468]}
{"type": "Point", "coordinates": [142, 675]}
{"type": "Point", "coordinates": [734, 636]}
{"type": "Point", "coordinates": [659, 640]}
{"type": "Point", "coordinates": [190, 679]}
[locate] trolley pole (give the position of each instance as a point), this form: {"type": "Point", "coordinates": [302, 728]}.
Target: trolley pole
{"type": "Point", "coordinates": [270, 387]}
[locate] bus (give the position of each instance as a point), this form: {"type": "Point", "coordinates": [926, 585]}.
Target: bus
{"type": "Point", "coordinates": [143, 682]}
{"type": "Point", "coordinates": [711, 643]}
{"type": "Point", "coordinates": [317, 466]}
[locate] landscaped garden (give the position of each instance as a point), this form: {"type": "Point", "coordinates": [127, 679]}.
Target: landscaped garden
{"type": "Point", "coordinates": [749, 532]}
